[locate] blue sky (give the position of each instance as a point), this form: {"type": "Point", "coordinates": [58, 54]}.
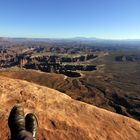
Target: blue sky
{"type": "Point", "coordinates": [112, 19]}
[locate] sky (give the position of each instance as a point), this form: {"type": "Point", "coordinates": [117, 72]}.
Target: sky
{"type": "Point", "coordinates": [108, 19]}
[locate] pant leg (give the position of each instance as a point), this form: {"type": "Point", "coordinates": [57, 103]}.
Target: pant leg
{"type": "Point", "coordinates": [23, 135]}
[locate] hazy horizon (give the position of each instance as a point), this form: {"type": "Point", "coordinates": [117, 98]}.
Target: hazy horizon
{"type": "Point", "coordinates": [67, 38]}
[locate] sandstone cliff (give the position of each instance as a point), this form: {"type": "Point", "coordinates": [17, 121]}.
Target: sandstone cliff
{"type": "Point", "coordinates": [62, 118]}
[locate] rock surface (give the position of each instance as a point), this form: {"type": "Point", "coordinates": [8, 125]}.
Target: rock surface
{"type": "Point", "coordinates": [60, 117]}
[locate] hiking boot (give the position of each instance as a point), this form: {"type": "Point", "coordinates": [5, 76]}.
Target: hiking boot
{"type": "Point", "coordinates": [16, 120]}
{"type": "Point", "coordinates": [31, 124]}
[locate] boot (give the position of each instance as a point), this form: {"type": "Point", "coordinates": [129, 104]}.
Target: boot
{"type": "Point", "coordinates": [16, 120]}
{"type": "Point", "coordinates": [31, 124]}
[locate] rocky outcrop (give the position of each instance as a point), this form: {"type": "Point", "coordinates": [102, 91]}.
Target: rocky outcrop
{"type": "Point", "coordinates": [62, 118]}
{"type": "Point", "coordinates": [130, 58]}
{"type": "Point", "coordinates": [90, 89]}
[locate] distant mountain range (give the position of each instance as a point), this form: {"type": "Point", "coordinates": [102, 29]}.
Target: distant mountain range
{"type": "Point", "coordinates": [72, 39]}
{"type": "Point", "coordinates": [92, 41]}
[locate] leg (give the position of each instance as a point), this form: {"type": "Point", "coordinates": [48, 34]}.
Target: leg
{"type": "Point", "coordinates": [23, 135]}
